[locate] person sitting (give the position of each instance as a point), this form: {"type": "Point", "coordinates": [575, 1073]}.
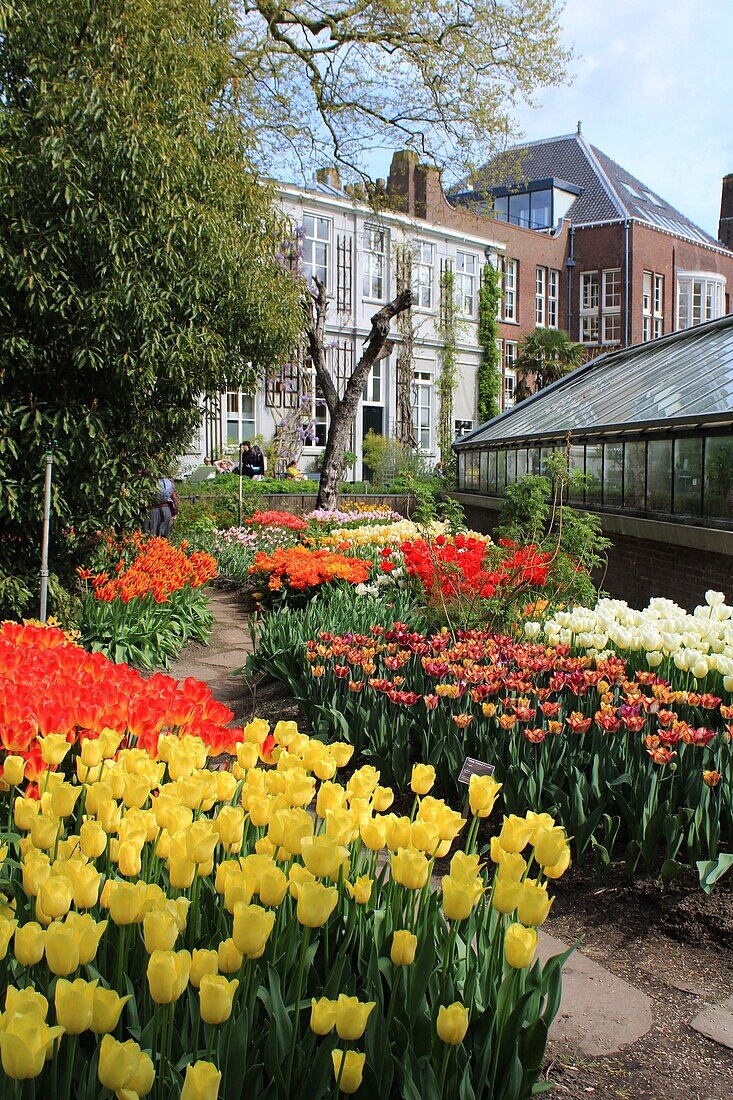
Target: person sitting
{"type": "Point", "coordinates": [224, 465]}
{"type": "Point", "coordinates": [293, 473]}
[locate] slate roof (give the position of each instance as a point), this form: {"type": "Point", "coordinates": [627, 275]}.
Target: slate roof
{"type": "Point", "coordinates": [608, 191]}
{"type": "Point", "coordinates": [683, 379]}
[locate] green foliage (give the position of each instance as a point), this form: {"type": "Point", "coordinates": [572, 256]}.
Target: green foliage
{"type": "Point", "coordinates": [138, 259]}
{"type": "Point", "coordinates": [392, 461]}
{"type": "Point", "coordinates": [545, 355]}
{"type": "Point", "coordinates": [488, 379]}
{"type": "Point", "coordinates": [448, 375]}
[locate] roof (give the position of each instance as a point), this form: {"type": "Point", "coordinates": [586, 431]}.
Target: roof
{"type": "Point", "coordinates": [678, 380]}
{"type": "Point", "coordinates": [608, 191]}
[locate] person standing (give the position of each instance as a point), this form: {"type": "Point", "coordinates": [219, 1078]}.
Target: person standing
{"type": "Point", "coordinates": [160, 516]}
{"type": "Point", "coordinates": [257, 462]}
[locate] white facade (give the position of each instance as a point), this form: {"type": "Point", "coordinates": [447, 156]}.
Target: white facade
{"type": "Point", "coordinates": [356, 252]}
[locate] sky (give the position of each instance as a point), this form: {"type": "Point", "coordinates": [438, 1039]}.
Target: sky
{"type": "Point", "coordinates": [653, 88]}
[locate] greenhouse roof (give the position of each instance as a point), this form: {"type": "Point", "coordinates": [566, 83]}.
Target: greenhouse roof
{"type": "Point", "coordinates": [681, 380]}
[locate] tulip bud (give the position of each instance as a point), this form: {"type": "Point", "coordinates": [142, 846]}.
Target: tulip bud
{"type": "Point", "coordinates": [203, 962]}
{"type": "Point", "coordinates": [422, 779]}
{"type": "Point", "coordinates": [252, 928]}
{"type": "Point", "coordinates": [410, 868]}
{"type": "Point", "coordinates": [348, 1069]}
{"type": "Point", "coordinates": [404, 946]}
{"type": "Point", "coordinates": [315, 904]}
{"type": "Point", "coordinates": [323, 1015]}
{"type": "Point", "coordinates": [216, 996]}
{"type": "Point", "coordinates": [202, 1082]}
{"type": "Point", "coordinates": [13, 770]}
{"type": "Point", "coordinates": [61, 943]}
{"type": "Point", "coordinates": [452, 1023]}
{"type": "Point", "coordinates": [106, 1009]}
{"type": "Point", "coordinates": [117, 1063]}
{"type": "Point", "coordinates": [228, 958]}
{"type": "Point", "coordinates": [520, 944]}
{"type": "Point", "coordinates": [28, 944]}
{"type": "Point", "coordinates": [74, 1003]}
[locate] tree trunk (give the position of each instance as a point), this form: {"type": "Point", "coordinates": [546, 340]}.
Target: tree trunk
{"type": "Point", "coordinates": [343, 412]}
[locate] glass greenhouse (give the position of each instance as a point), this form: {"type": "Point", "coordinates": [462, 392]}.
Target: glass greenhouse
{"type": "Point", "coordinates": [649, 426]}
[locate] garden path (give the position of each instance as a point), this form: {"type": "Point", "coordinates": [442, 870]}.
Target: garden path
{"type": "Point", "coordinates": [601, 1013]}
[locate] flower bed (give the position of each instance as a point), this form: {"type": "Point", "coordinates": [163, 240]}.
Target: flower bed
{"type": "Point", "coordinates": [300, 569]}
{"type": "Point", "coordinates": [618, 755]}
{"type": "Point", "coordinates": [166, 927]}
{"type": "Point", "coordinates": [145, 611]}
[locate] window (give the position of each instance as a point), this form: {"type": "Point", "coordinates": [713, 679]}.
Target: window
{"type": "Point", "coordinates": [613, 471]}
{"type": "Point", "coordinates": [313, 406]}
{"type": "Point", "coordinates": [510, 290]}
{"type": "Point", "coordinates": [519, 210]}
{"type": "Point", "coordinates": [423, 274]}
{"type": "Point", "coordinates": [510, 375]}
{"type": "Point", "coordinates": [240, 416]}
{"type": "Point", "coordinates": [699, 298]}
{"type": "Point", "coordinates": [374, 263]}
{"type": "Point", "coordinates": [530, 209]}
{"type": "Point", "coordinates": [658, 306]}
{"type": "Point", "coordinates": [462, 427]}
{"type": "Point", "coordinates": [373, 385]}
{"type": "Point", "coordinates": [688, 476]}
{"type": "Point", "coordinates": [553, 282]}
{"type": "Point", "coordinates": [589, 303]}
{"type": "Point", "coordinates": [540, 293]}
{"type": "Point", "coordinates": [316, 245]}
{"type": "Point", "coordinates": [422, 408]}
{"type": "Point", "coordinates": [465, 283]}
{"type": "Point", "coordinates": [611, 328]}
{"type": "Point", "coordinates": [612, 290]}
{"type": "Point", "coordinates": [646, 307]}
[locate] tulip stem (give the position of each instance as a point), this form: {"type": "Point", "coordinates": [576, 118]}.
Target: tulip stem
{"type": "Point", "coordinates": [444, 1070]}
{"type": "Point", "coordinates": [71, 1054]}
{"type": "Point", "coordinates": [296, 1007]}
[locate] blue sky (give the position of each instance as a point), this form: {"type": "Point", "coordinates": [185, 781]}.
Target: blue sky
{"type": "Point", "coordinates": [653, 87]}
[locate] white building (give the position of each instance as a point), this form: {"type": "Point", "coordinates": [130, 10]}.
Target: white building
{"type": "Point", "coordinates": [358, 254]}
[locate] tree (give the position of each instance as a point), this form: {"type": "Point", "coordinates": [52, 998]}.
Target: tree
{"type": "Point", "coordinates": [545, 355]}
{"type": "Point", "coordinates": [488, 380]}
{"type": "Point", "coordinates": [342, 408]}
{"type": "Point", "coordinates": [339, 78]}
{"type": "Point", "coordinates": [138, 258]}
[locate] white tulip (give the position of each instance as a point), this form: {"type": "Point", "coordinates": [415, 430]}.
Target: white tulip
{"type": "Point", "coordinates": [532, 629]}
{"type": "Point", "coordinates": [714, 599]}
{"type": "Point", "coordinates": [700, 669]}
{"type": "Point", "coordinates": [654, 658]}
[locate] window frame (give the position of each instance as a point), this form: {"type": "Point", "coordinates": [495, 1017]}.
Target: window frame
{"type": "Point", "coordinates": [316, 240]}
{"type": "Point", "coordinates": [374, 263]}
{"type": "Point", "coordinates": [464, 279]}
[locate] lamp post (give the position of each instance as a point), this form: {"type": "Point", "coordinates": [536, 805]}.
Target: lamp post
{"type": "Point", "coordinates": [241, 474]}
{"type": "Point", "coordinates": [45, 537]}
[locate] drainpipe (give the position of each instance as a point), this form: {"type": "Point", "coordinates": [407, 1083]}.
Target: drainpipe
{"type": "Point", "coordinates": [570, 264]}
{"type": "Point", "coordinates": [627, 281]}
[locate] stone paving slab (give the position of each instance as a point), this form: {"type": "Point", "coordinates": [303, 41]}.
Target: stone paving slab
{"type": "Point", "coordinates": [716, 1022]}
{"type": "Point", "coordinates": [599, 1012]}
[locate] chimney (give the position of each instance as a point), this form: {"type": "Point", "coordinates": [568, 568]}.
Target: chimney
{"type": "Point", "coordinates": [329, 176]}
{"type": "Point", "coordinates": [401, 182]}
{"type": "Point", "coordinates": [725, 226]}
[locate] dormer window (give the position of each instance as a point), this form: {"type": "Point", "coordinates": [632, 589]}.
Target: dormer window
{"type": "Point", "coordinates": [539, 205]}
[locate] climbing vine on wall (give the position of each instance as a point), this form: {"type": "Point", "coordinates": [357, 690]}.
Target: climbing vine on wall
{"type": "Point", "coordinates": [448, 376]}
{"type": "Point", "coordinates": [488, 379]}
{"type": "Point", "coordinates": [405, 426]}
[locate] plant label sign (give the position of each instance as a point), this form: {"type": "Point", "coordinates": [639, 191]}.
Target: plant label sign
{"type": "Point", "coordinates": [474, 767]}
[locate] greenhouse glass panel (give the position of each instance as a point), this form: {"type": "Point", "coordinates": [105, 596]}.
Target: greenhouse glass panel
{"type": "Point", "coordinates": [718, 500]}
{"type": "Point", "coordinates": [500, 472]}
{"type": "Point", "coordinates": [613, 473]}
{"type": "Point", "coordinates": [462, 470]}
{"type": "Point", "coordinates": [593, 472]}
{"type": "Point", "coordinates": [659, 476]}
{"type": "Point", "coordinates": [635, 475]}
{"type": "Point", "coordinates": [688, 476]}
{"type": "Point", "coordinates": [491, 481]}
{"type": "Point", "coordinates": [533, 461]}
{"type": "Point", "coordinates": [483, 471]}
{"type": "Point", "coordinates": [546, 454]}
{"type": "Point", "coordinates": [577, 465]}
{"type": "Point", "coordinates": [511, 467]}
{"type": "Point", "coordinates": [521, 464]}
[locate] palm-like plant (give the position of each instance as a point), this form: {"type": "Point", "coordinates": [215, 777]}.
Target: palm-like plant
{"type": "Point", "coordinates": [544, 356]}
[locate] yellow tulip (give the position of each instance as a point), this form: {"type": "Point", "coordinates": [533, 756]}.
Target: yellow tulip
{"type": "Point", "coordinates": [533, 906]}
{"type": "Point", "coordinates": [252, 928]}
{"type": "Point", "coordinates": [24, 810]}
{"type": "Point", "coordinates": [331, 796]}
{"type": "Point", "coordinates": [452, 1023]}
{"type": "Point", "coordinates": [203, 962]}
{"type": "Point", "coordinates": [74, 1003]}
{"type": "Point", "coordinates": [63, 799]}
{"type": "Point", "coordinates": [397, 831]}
{"type": "Point", "coordinates": [505, 897]}
{"type": "Point", "coordinates": [273, 887]}
{"type": "Point", "coordinates": [323, 856]}
{"type": "Point", "coordinates": [106, 1009]}
{"type": "Point", "coordinates": [483, 790]}
{"type": "Point", "coordinates": [24, 1002]}
{"type": "Point", "coordinates": [422, 779]}
{"type": "Point", "coordinates": [348, 1069]}
{"type": "Point", "coordinates": [88, 933]}
{"type": "Point", "coordinates": [559, 869]}
{"type": "Point", "coordinates": [363, 781]}
{"type": "Point", "coordinates": [181, 872]}
{"type": "Point", "coordinates": [229, 960]}
{"type": "Point", "coordinates": [54, 748]}
{"type": "Point", "coordinates": [28, 944]}
{"type": "Point", "coordinates": [226, 786]}
{"type": "Point", "coordinates": [143, 1077]}
{"type": "Point", "coordinates": [247, 756]}
{"type": "Point", "coordinates": [61, 943]}
{"type": "Point", "coordinates": [216, 996]}
{"type": "Point", "coordinates": [44, 831]}
{"type": "Point", "coordinates": [7, 931]}
{"type": "Point", "coordinates": [382, 798]}
{"type": "Point", "coordinates": [256, 731]}
{"type": "Point", "coordinates": [297, 875]}
{"type": "Point", "coordinates": [323, 1016]}
{"type": "Point", "coordinates": [117, 1063]}
{"type": "Point", "coordinates": [351, 1017]}
{"type": "Point", "coordinates": [160, 931]}
{"type": "Point", "coordinates": [202, 1082]}
{"type": "Point", "coordinates": [91, 752]}
{"type": "Point", "coordinates": [168, 975]}
{"type": "Point", "coordinates": [25, 1041]}
{"type": "Point", "coordinates": [361, 890]}
{"type": "Point", "coordinates": [512, 865]}
{"type": "Point", "coordinates": [288, 829]}
{"type": "Point", "coordinates": [410, 868]}
{"type": "Point", "coordinates": [404, 946]}
{"type": "Point", "coordinates": [13, 770]}
{"type": "Point", "coordinates": [229, 824]}
{"type": "Point", "coordinates": [424, 835]}
{"type": "Point", "coordinates": [515, 834]}
{"type": "Point", "coordinates": [550, 846]}
{"type": "Point", "coordinates": [373, 834]}
{"type": "Point", "coordinates": [520, 944]}
{"type": "Point", "coordinates": [459, 898]}
{"type": "Point", "coordinates": [315, 903]}
{"type": "Point", "coordinates": [201, 840]}
{"type": "Point", "coordinates": [125, 903]}
{"type": "Point", "coordinates": [86, 886]}
{"type": "Point", "coordinates": [341, 752]}
{"type": "Point", "coordinates": [538, 821]}
{"type": "Point", "coordinates": [129, 859]}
